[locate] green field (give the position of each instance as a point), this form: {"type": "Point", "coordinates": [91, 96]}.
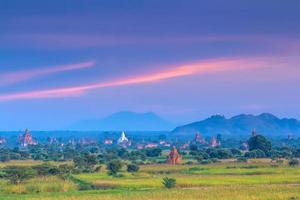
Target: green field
{"type": "Point", "coordinates": [258, 179]}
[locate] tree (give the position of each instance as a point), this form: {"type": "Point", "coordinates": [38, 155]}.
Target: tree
{"type": "Point", "coordinates": [18, 174]}
{"type": "Point", "coordinates": [257, 153]}
{"type": "Point", "coordinates": [193, 147]}
{"type": "Point", "coordinates": [259, 142]}
{"type": "Point", "coordinates": [153, 152]}
{"type": "Point", "coordinates": [86, 162]}
{"type": "Point", "coordinates": [224, 154]}
{"type": "Point", "coordinates": [169, 182]}
{"type": "Point", "coordinates": [133, 168]}
{"type": "Point", "coordinates": [297, 153]}
{"type": "Point", "coordinates": [65, 171]}
{"type": "Point", "coordinates": [293, 162]}
{"type": "Point", "coordinates": [4, 157]}
{"type": "Point", "coordinates": [43, 169]}
{"type": "Point", "coordinates": [114, 167]}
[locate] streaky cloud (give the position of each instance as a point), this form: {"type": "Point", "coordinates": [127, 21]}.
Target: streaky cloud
{"type": "Point", "coordinates": [15, 77]}
{"type": "Point", "coordinates": [209, 66]}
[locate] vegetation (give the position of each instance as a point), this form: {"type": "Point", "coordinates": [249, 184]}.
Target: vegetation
{"type": "Point", "coordinates": [18, 174]}
{"type": "Point", "coordinates": [132, 168]}
{"type": "Point", "coordinates": [259, 142]}
{"type": "Point", "coordinates": [169, 182]}
{"type": "Point", "coordinates": [114, 167]}
{"type": "Point", "coordinates": [256, 179]}
{"type": "Point", "coordinates": [294, 162]}
{"type": "Point", "coordinates": [75, 172]}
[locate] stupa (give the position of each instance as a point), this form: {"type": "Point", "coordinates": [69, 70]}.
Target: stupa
{"type": "Point", "coordinates": [254, 132]}
{"type": "Point", "coordinates": [199, 139]}
{"type": "Point", "coordinates": [123, 140]}
{"type": "Point", "coordinates": [214, 142]}
{"type": "Point", "coordinates": [26, 139]}
{"type": "Point", "coordinates": [174, 157]}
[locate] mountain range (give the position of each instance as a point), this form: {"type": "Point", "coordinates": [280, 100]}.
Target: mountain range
{"type": "Point", "coordinates": [127, 121]}
{"type": "Point", "coordinates": [241, 125]}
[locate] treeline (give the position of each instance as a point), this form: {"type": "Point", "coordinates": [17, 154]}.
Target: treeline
{"type": "Point", "coordinates": [69, 152]}
{"type": "Point", "coordinates": [85, 156]}
{"type": "Point", "coordinates": [258, 147]}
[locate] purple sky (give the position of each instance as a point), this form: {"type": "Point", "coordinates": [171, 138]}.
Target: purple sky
{"type": "Point", "coordinates": [66, 60]}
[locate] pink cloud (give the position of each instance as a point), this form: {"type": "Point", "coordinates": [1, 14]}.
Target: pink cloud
{"type": "Point", "coordinates": [14, 77]}
{"type": "Point", "coordinates": [204, 67]}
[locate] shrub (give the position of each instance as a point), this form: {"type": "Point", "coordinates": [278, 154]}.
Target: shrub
{"type": "Point", "coordinates": [169, 182]}
{"type": "Point", "coordinates": [114, 167]}
{"type": "Point", "coordinates": [18, 174]}
{"type": "Point", "coordinates": [189, 163]}
{"type": "Point", "coordinates": [153, 152]}
{"type": "Point", "coordinates": [98, 168]}
{"type": "Point", "coordinates": [279, 161]}
{"type": "Point", "coordinates": [43, 169]}
{"type": "Point", "coordinates": [133, 168]}
{"type": "Point", "coordinates": [293, 162]}
{"type": "Point", "coordinates": [241, 159]}
{"type": "Point", "coordinates": [205, 162]}
{"type": "Point", "coordinates": [32, 189]}
{"type": "Point", "coordinates": [54, 188]}
{"type": "Point", "coordinates": [255, 154]}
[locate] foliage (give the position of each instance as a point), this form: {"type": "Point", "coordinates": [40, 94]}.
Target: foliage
{"type": "Point", "coordinates": [18, 174]}
{"type": "Point", "coordinates": [257, 153]}
{"type": "Point", "coordinates": [44, 169]}
{"type": "Point", "coordinates": [155, 152]}
{"type": "Point", "coordinates": [242, 159]}
{"type": "Point", "coordinates": [293, 162]}
{"type": "Point", "coordinates": [169, 182]}
{"type": "Point", "coordinates": [85, 162]}
{"type": "Point", "coordinates": [114, 167]}
{"type": "Point", "coordinates": [259, 142]}
{"type": "Point", "coordinates": [132, 168]}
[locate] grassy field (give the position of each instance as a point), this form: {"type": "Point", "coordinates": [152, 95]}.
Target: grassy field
{"type": "Point", "coordinates": [256, 180]}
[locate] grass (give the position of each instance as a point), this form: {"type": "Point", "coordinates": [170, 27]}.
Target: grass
{"type": "Point", "coordinates": [38, 185]}
{"type": "Point", "coordinates": [258, 179]}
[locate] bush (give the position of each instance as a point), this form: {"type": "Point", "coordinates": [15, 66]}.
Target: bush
{"type": "Point", "coordinates": [153, 152]}
{"type": "Point", "coordinates": [18, 174]}
{"type": "Point", "coordinates": [279, 161]}
{"type": "Point", "coordinates": [114, 167]}
{"type": "Point", "coordinates": [133, 168]}
{"type": "Point", "coordinates": [43, 169]}
{"type": "Point", "coordinates": [255, 154]}
{"type": "Point", "coordinates": [189, 163]}
{"type": "Point", "coordinates": [169, 182]}
{"type": "Point", "coordinates": [32, 189]}
{"type": "Point", "coordinates": [293, 162]}
{"type": "Point", "coordinates": [98, 168]}
{"type": "Point", "coordinates": [205, 162]}
{"type": "Point", "coordinates": [241, 159]}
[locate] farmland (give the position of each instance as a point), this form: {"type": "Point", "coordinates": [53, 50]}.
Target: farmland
{"type": "Point", "coordinates": [256, 179]}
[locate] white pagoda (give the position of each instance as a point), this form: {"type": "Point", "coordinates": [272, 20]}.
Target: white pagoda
{"type": "Point", "coordinates": [123, 140]}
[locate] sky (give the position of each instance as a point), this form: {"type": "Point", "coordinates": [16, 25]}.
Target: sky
{"type": "Point", "coordinates": [63, 61]}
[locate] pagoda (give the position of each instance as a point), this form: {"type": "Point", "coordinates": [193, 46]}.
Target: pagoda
{"type": "Point", "coordinates": [199, 139]}
{"type": "Point", "coordinates": [214, 142]}
{"type": "Point", "coordinates": [254, 133]}
{"type": "Point", "coordinates": [123, 140]}
{"type": "Point", "coordinates": [2, 140]}
{"type": "Point", "coordinates": [174, 157]}
{"type": "Point", "coordinates": [26, 139]}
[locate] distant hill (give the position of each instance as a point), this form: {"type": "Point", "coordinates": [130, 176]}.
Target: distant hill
{"type": "Point", "coordinates": [242, 125]}
{"type": "Point", "coordinates": [127, 121]}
